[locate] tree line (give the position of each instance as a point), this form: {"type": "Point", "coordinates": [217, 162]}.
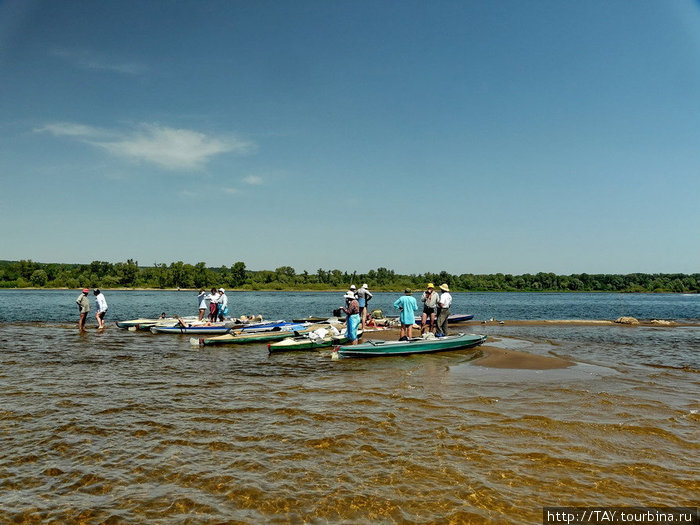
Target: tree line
{"type": "Point", "coordinates": [129, 274]}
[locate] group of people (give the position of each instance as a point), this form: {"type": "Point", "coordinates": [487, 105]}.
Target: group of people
{"type": "Point", "coordinates": [218, 304]}
{"type": "Point", "coordinates": [436, 310]}
{"type": "Point", "coordinates": [83, 303]}
{"type": "Point", "coordinates": [356, 302]}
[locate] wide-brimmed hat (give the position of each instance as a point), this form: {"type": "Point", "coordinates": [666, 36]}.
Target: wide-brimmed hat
{"type": "Point", "coordinates": [431, 285]}
{"type": "Point", "coordinates": [407, 291]}
{"type": "Point", "coordinates": [85, 290]}
{"type": "Point", "coordinates": [364, 285]}
{"type": "Point", "coordinates": [444, 287]}
{"type": "Point", "coordinates": [222, 290]}
{"type": "Point", "coordinates": [352, 287]}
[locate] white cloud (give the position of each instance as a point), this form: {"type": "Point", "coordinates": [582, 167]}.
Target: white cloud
{"type": "Point", "coordinates": [253, 180]}
{"type": "Point", "coordinates": [70, 129]}
{"type": "Point", "coordinates": [86, 59]}
{"type": "Point", "coordinates": [169, 148]}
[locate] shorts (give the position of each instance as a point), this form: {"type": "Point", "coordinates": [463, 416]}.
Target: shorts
{"type": "Point", "coordinates": [428, 310]}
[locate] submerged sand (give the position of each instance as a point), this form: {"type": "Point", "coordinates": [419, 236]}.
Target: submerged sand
{"type": "Point", "coordinates": [490, 356]}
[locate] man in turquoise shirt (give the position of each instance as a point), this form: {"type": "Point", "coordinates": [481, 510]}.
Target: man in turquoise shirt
{"type": "Point", "coordinates": [407, 305]}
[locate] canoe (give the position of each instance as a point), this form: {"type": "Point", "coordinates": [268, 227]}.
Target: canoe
{"type": "Point", "coordinates": [146, 323]}
{"type": "Point", "coordinates": [304, 342]}
{"type": "Point", "coordinates": [454, 318]}
{"type": "Point", "coordinates": [315, 319]}
{"type": "Point", "coordinates": [239, 338]}
{"type": "Point", "coordinates": [212, 329]}
{"type": "Point", "coordinates": [220, 328]}
{"type": "Point", "coordinates": [412, 346]}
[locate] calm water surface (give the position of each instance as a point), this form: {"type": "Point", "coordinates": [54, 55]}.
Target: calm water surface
{"type": "Point", "coordinates": [131, 427]}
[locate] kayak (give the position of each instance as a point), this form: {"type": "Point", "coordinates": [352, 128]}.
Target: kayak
{"type": "Point", "coordinates": [315, 319]}
{"type": "Point", "coordinates": [241, 337]}
{"type": "Point", "coordinates": [412, 346]}
{"type": "Point", "coordinates": [212, 329]}
{"type": "Point", "coordinates": [454, 318]}
{"type": "Point", "coordinates": [305, 342]}
{"type": "Point", "coordinates": [217, 328]}
{"type": "Point", "coordinates": [145, 323]}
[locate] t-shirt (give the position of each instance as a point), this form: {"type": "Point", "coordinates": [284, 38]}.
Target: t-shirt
{"type": "Point", "coordinates": [445, 300]}
{"type": "Point", "coordinates": [101, 302]}
{"type": "Point", "coordinates": [84, 303]}
{"type": "Point", "coordinates": [408, 306]}
{"type": "Point", "coordinates": [430, 302]}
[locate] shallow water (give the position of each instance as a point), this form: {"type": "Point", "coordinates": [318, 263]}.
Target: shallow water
{"type": "Point", "coordinates": [131, 427]}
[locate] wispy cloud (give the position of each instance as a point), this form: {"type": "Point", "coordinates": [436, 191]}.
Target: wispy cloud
{"type": "Point", "coordinates": [169, 148]}
{"type": "Point", "coordinates": [253, 180]}
{"type": "Point", "coordinates": [86, 59]}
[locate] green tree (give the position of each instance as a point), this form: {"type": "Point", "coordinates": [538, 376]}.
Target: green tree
{"type": "Point", "coordinates": [237, 275]}
{"type": "Point", "coordinates": [127, 272]}
{"type": "Point", "coordinates": [39, 278]}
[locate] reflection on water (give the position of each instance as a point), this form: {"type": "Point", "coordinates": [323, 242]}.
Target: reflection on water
{"type": "Point", "coordinates": [123, 427]}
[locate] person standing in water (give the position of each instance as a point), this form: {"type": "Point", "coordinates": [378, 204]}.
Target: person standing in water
{"type": "Point", "coordinates": [101, 308]}
{"type": "Point", "coordinates": [84, 306]}
{"type": "Point", "coordinates": [352, 311]}
{"type": "Point", "coordinates": [202, 303]}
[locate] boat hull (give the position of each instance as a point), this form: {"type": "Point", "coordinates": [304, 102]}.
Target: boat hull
{"type": "Point", "coordinates": [224, 328]}
{"type": "Point", "coordinates": [239, 338]}
{"type": "Point", "coordinates": [414, 346]}
{"type": "Point", "coordinates": [291, 344]}
{"type": "Point", "coordinates": [454, 318]}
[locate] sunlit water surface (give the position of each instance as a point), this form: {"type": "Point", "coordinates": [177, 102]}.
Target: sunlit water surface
{"type": "Point", "coordinates": [131, 427]}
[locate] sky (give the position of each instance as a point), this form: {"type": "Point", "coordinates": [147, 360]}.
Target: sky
{"type": "Point", "coordinates": [459, 136]}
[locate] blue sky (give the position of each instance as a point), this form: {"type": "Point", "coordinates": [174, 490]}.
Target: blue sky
{"type": "Point", "coordinates": [466, 136]}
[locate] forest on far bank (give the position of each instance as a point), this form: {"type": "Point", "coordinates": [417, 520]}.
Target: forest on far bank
{"type": "Point", "coordinates": [179, 275]}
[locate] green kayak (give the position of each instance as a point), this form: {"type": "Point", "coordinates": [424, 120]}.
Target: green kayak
{"type": "Point", "coordinates": [412, 346]}
{"type": "Point", "coordinates": [239, 338]}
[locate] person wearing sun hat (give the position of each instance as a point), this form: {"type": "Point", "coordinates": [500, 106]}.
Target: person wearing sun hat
{"type": "Point", "coordinates": [84, 307]}
{"type": "Point", "coordinates": [443, 310]}
{"type": "Point", "coordinates": [352, 311]}
{"type": "Point", "coordinates": [222, 311]}
{"type": "Point", "coordinates": [429, 300]}
{"type": "Point", "coordinates": [363, 297]}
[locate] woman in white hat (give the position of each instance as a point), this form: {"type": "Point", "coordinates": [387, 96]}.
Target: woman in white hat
{"type": "Point", "coordinates": [443, 310]}
{"type": "Point", "coordinates": [223, 305]}
{"type": "Point", "coordinates": [352, 310]}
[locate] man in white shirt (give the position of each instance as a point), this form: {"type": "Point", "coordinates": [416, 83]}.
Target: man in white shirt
{"type": "Point", "coordinates": [101, 308]}
{"type": "Point", "coordinates": [443, 310]}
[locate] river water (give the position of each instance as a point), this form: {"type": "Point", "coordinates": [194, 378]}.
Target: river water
{"type": "Point", "coordinates": [130, 427]}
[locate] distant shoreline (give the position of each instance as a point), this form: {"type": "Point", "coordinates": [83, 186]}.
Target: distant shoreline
{"type": "Point", "coordinates": [344, 288]}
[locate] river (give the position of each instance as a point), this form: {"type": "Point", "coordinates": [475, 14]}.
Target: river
{"type": "Point", "coordinates": [130, 427]}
